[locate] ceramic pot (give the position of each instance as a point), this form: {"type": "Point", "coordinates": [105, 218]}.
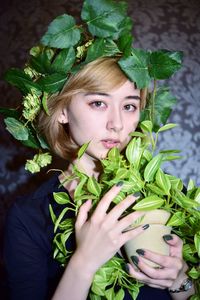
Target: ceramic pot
{"type": "Point", "coordinates": [151, 238]}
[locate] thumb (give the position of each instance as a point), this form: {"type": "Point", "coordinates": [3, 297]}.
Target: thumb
{"type": "Point", "coordinates": [175, 243]}
{"type": "Point", "coordinates": [83, 214]}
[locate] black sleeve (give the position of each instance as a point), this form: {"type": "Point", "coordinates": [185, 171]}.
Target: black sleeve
{"type": "Point", "coordinates": [25, 259]}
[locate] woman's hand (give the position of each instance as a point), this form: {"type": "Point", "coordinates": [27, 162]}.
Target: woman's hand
{"type": "Point", "coordinates": [172, 268]}
{"type": "Point", "coordinates": [101, 236]}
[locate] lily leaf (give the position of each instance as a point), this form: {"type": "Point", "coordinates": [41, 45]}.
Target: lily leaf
{"type": "Point", "coordinates": [62, 33]}
{"type": "Point", "coordinates": [152, 167]}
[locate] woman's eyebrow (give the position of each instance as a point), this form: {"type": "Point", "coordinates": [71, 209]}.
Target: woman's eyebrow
{"type": "Point", "coordinates": [108, 95]}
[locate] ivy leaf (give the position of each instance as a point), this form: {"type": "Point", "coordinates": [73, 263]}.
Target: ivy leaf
{"type": "Point", "coordinates": [41, 63]}
{"type": "Point", "coordinates": [163, 64]}
{"type": "Point", "coordinates": [101, 47]}
{"type": "Point", "coordinates": [136, 67]}
{"type": "Point", "coordinates": [21, 80]}
{"type": "Point", "coordinates": [9, 112]}
{"type": "Point", "coordinates": [164, 102]}
{"type": "Point", "coordinates": [152, 167]}
{"type": "Point", "coordinates": [52, 83]}
{"type": "Point", "coordinates": [16, 128]}
{"type": "Point", "coordinates": [106, 18]}
{"type": "Point", "coordinates": [149, 203]}
{"type": "Point", "coordinates": [62, 33]}
{"type": "Point", "coordinates": [64, 60]}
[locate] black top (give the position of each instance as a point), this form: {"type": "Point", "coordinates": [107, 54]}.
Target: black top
{"type": "Point", "coordinates": [32, 272]}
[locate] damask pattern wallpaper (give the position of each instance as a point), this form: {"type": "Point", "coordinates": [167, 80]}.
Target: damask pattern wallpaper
{"type": "Point", "coordinates": [166, 24]}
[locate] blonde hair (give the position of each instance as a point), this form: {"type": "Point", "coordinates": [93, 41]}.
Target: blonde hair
{"type": "Point", "coordinates": [101, 75]}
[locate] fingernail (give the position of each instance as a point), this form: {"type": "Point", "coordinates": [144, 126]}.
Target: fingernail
{"type": "Point", "coordinates": [135, 260]}
{"type": "Point", "coordinates": [168, 237]}
{"type": "Point", "coordinates": [137, 194]}
{"type": "Point", "coordinates": [127, 268]}
{"type": "Point", "coordinates": [120, 183]}
{"type": "Point", "coordinates": [145, 226]}
{"type": "Point", "coordinates": [140, 252]}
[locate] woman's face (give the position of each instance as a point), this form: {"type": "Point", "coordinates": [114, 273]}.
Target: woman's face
{"type": "Point", "coordinates": [104, 119]}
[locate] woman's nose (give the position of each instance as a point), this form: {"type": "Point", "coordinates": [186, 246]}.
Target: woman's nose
{"type": "Point", "coordinates": [114, 121]}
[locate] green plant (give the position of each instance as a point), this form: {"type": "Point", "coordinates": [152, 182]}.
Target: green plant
{"type": "Point", "coordinates": [140, 170]}
{"type": "Point", "coordinates": [64, 49]}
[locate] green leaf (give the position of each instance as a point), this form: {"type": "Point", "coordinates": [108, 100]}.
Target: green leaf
{"type": "Point", "coordinates": [16, 128]}
{"type": "Point", "coordinates": [44, 103]}
{"type": "Point", "coordinates": [21, 80]}
{"type": "Point", "coordinates": [197, 242]}
{"type": "Point", "coordinates": [109, 293]}
{"type": "Point", "coordinates": [41, 63]}
{"type": "Point", "coordinates": [52, 83]}
{"type": "Point", "coordinates": [101, 47]}
{"type": "Point", "coordinates": [137, 134]}
{"type": "Point", "coordinates": [163, 181]}
{"type": "Point", "coordinates": [195, 274]}
{"type": "Point", "coordinates": [79, 189]}
{"type": "Point", "coordinates": [83, 149]}
{"type": "Point", "coordinates": [163, 64]}
{"type": "Point", "coordinates": [155, 189]}
{"type": "Point", "coordinates": [61, 216]}
{"type": "Point", "coordinates": [164, 102]}
{"type": "Point", "coordinates": [134, 152]}
{"type": "Point", "coordinates": [106, 18]}
{"type": "Point", "coordinates": [62, 33]}
{"type": "Point", "coordinates": [53, 216]}
{"type": "Point", "coordinates": [167, 127]}
{"type": "Point", "coordinates": [9, 112]}
{"type": "Point", "coordinates": [146, 126]}
{"type": "Point", "coordinates": [61, 198]}
{"type": "Point", "coordinates": [152, 167]}
{"type": "Point", "coordinates": [177, 219]}
{"type": "Point", "coordinates": [149, 203]}
{"type": "Point", "coordinates": [93, 186]}
{"type": "Point", "coordinates": [125, 44]}
{"type": "Point", "coordinates": [136, 67]}
{"type": "Point", "coordinates": [64, 61]}
{"type": "Point", "coordinates": [120, 295]}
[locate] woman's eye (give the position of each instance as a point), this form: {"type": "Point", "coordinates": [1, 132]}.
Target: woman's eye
{"type": "Point", "coordinates": [97, 104]}
{"type": "Point", "coordinates": [130, 107]}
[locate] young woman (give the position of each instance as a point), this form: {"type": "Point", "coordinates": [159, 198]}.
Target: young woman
{"type": "Point", "coordinates": [98, 104]}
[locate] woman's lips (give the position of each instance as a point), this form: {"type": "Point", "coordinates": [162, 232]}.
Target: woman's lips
{"type": "Point", "coordinates": [108, 144]}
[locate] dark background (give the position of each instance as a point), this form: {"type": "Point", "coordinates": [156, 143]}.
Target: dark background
{"type": "Point", "coordinates": [166, 24]}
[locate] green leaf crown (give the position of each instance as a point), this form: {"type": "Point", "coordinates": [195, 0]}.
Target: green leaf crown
{"type": "Point", "coordinates": [66, 47]}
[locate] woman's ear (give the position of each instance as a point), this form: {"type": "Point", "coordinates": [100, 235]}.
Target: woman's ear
{"type": "Point", "coordinates": [63, 116]}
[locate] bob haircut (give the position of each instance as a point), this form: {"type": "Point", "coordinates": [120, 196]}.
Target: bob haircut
{"type": "Point", "coordinates": [100, 75]}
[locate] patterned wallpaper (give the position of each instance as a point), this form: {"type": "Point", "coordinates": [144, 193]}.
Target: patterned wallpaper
{"type": "Point", "coordinates": [167, 24]}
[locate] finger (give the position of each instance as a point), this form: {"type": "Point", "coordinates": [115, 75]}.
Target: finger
{"type": "Point", "coordinates": [143, 278]}
{"type": "Point", "coordinates": [176, 244]}
{"type": "Point", "coordinates": [105, 202]}
{"type": "Point", "coordinates": [117, 211]}
{"type": "Point", "coordinates": [170, 266]}
{"type": "Point", "coordinates": [125, 223]}
{"type": "Point", "coordinates": [83, 214]}
{"type": "Point", "coordinates": [129, 235]}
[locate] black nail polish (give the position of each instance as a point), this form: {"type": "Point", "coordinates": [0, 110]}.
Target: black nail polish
{"type": "Point", "coordinates": [168, 237]}
{"type": "Point", "coordinates": [137, 194]}
{"type": "Point", "coordinates": [127, 268]}
{"type": "Point", "coordinates": [145, 226]}
{"type": "Point", "coordinates": [120, 183]}
{"type": "Point", "coordinates": [135, 260]}
{"type": "Point", "coordinates": [140, 252]}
